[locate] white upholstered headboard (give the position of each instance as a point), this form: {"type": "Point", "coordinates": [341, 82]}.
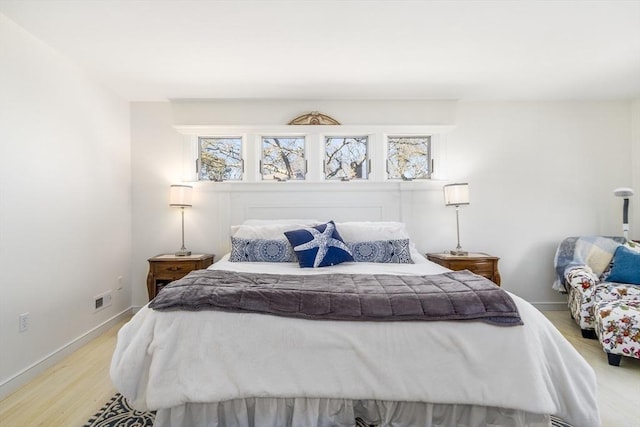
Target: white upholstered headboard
{"type": "Point", "coordinates": [323, 205]}
{"type": "Point", "coordinates": [338, 201]}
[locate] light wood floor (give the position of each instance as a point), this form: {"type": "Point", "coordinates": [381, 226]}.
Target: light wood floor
{"type": "Point", "coordinates": [618, 387]}
{"type": "Point", "coordinates": [69, 393]}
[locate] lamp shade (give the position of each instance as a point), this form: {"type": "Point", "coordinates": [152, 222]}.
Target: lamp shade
{"type": "Point", "coordinates": [180, 196]}
{"type": "Point", "coordinates": [456, 194]}
{"type": "Point", "coordinates": [623, 192]}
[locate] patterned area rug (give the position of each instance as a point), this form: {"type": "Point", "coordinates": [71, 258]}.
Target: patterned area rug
{"type": "Point", "coordinates": [118, 413]}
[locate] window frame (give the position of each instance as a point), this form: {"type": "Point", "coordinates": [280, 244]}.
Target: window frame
{"type": "Point", "coordinates": [367, 159]}
{"type": "Point", "coordinates": [304, 157]}
{"type": "Point", "coordinates": [314, 135]}
{"type": "Point", "coordinates": [430, 159]}
{"type": "Point", "coordinates": [199, 158]}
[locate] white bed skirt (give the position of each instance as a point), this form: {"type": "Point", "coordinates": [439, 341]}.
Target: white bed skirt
{"type": "Point", "coordinates": [308, 412]}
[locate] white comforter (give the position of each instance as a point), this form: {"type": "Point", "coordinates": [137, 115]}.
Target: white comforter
{"type": "Point", "coordinates": [164, 359]}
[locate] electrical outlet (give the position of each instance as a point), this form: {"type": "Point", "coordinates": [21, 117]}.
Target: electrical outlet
{"type": "Point", "coordinates": [101, 301]}
{"type": "Point", "coordinates": [23, 322]}
{"type": "Point", "coordinates": [119, 281]}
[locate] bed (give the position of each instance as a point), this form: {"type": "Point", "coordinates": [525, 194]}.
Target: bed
{"type": "Point", "coordinates": [213, 367]}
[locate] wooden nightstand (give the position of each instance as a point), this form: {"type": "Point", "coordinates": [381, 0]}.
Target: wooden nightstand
{"type": "Point", "coordinates": [479, 263]}
{"type": "Point", "coordinates": [167, 268]}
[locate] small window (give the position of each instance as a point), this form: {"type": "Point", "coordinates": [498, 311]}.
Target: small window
{"type": "Point", "coordinates": [409, 157]}
{"type": "Point", "coordinates": [346, 157]}
{"type": "Point", "coordinates": [220, 159]}
{"type": "Point", "coordinates": [283, 158]}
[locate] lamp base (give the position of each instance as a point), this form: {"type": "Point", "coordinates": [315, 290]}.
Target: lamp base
{"type": "Point", "coordinates": [459, 253]}
{"type": "Point", "coordinates": [183, 252]}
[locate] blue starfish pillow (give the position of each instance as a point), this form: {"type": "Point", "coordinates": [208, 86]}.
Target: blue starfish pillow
{"type": "Point", "coordinates": [319, 246]}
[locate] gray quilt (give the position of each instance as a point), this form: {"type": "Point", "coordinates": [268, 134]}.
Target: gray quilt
{"type": "Point", "coordinates": [459, 295]}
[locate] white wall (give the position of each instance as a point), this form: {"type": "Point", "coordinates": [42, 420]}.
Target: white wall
{"type": "Point", "coordinates": [65, 203]}
{"type": "Point", "coordinates": [281, 112]}
{"type": "Point", "coordinates": [156, 157]}
{"type": "Point", "coordinates": [538, 172]}
{"type": "Point", "coordinates": [634, 209]}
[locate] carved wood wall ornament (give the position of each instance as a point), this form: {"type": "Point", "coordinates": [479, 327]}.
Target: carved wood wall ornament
{"type": "Point", "coordinates": [314, 118]}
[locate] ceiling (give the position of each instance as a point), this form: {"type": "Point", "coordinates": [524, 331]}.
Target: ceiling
{"type": "Point", "coordinates": [329, 49]}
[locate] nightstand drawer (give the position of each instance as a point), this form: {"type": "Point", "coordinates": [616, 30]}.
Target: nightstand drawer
{"type": "Point", "coordinates": [480, 268]}
{"type": "Point", "coordinates": [488, 274]}
{"type": "Point", "coordinates": [479, 263]}
{"type": "Point", "coordinates": [170, 270]}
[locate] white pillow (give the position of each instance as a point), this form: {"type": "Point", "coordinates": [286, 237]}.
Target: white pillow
{"type": "Point", "coordinates": [280, 221]}
{"type": "Point", "coordinates": [267, 232]}
{"type": "Point", "coordinates": [366, 231]}
{"type": "Point", "coordinates": [355, 231]}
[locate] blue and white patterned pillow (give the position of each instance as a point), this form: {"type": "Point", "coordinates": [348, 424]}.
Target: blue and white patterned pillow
{"type": "Point", "coordinates": [319, 246]}
{"type": "Point", "coordinates": [387, 251]}
{"type": "Point", "coordinates": [261, 250]}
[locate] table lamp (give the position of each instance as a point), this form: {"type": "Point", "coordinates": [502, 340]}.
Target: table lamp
{"type": "Point", "coordinates": [180, 197]}
{"type": "Point", "coordinates": [456, 195]}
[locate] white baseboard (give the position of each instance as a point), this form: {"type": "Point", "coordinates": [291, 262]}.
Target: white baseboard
{"type": "Point", "coordinates": [551, 306]}
{"type": "Point", "coordinates": [30, 372]}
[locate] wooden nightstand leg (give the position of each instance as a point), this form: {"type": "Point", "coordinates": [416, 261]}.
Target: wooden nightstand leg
{"type": "Point", "coordinates": [150, 286]}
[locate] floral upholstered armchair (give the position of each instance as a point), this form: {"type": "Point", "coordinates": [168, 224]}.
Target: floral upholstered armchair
{"type": "Point", "coordinates": [586, 269]}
